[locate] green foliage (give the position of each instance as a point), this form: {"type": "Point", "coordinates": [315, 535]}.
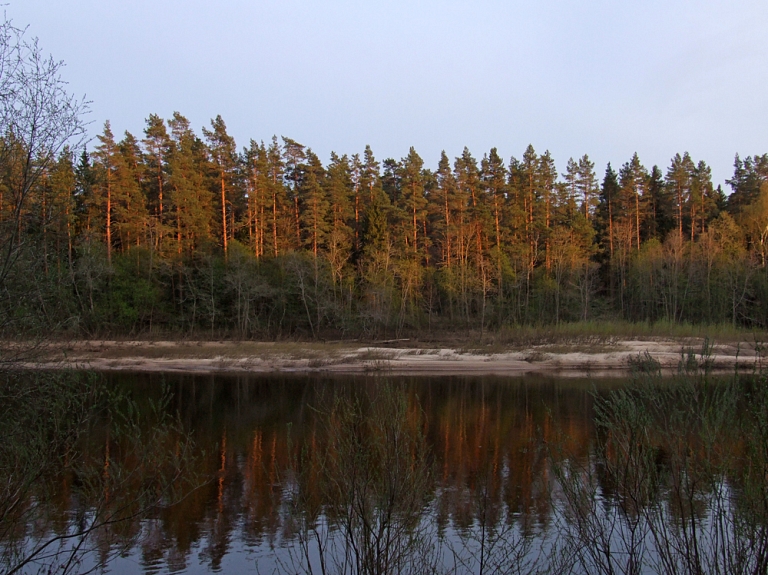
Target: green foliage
{"type": "Point", "coordinates": [176, 234]}
{"type": "Point", "coordinates": [133, 295]}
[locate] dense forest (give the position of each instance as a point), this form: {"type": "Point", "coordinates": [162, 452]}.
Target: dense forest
{"type": "Point", "coordinates": [176, 232]}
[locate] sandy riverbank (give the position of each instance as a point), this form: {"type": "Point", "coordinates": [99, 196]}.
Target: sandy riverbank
{"type": "Point", "coordinates": [397, 357]}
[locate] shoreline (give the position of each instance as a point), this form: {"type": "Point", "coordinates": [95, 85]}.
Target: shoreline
{"type": "Point", "coordinates": [603, 359]}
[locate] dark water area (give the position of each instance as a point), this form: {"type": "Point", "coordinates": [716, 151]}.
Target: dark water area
{"type": "Point", "coordinates": [490, 430]}
{"type": "Point", "coordinates": [263, 450]}
{"type": "Point", "coordinates": [484, 434]}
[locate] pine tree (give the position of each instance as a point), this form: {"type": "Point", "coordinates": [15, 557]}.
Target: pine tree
{"type": "Point", "coordinates": [85, 206]}
{"type": "Point", "coordinates": [340, 192]}
{"type": "Point", "coordinates": [356, 179]}
{"type": "Point", "coordinates": [191, 201]}
{"type": "Point", "coordinates": [444, 203]}
{"type": "Point", "coordinates": [467, 175]}
{"type": "Point", "coordinates": [748, 176]}
{"type": "Point", "coordinates": [276, 168]}
{"type": "Point", "coordinates": [295, 158]}
{"type": "Point", "coordinates": [371, 177]}
{"type": "Point", "coordinates": [224, 156]}
{"type": "Point", "coordinates": [547, 177]}
{"type": "Point", "coordinates": [661, 219]}
{"type": "Point", "coordinates": [257, 181]}
{"type": "Point", "coordinates": [131, 205]}
{"type": "Point", "coordinates": [413, 202]}
{"type": "Point", "coordinates": [494, 176]}
{"type": "Point", "coordinates": [63, 183]}
{"type": "Point", "coordinates": [570, 183]}
{"type": "Point", "coordinates": [314, 204]}
{"type": "Point", "coordinates": [633, 184]}
{"type": "Point", "coordinates": [704, 199]}
{"type": "Point", "coordinates": [609, 192]}
{"type": "Point", "coordinates": [158, 146]}
{"type": "Point", "coordinates": [494, 181]}
{"type": "Point", "coordinates": [366, 185]}
{"type": "Point", "coordinates": [586, 185]}
{"type": "Point", "coordinates": [678, 180]}
{"type": "Point", "coordinates": [376, 229]}
{"type": "Point", "coordinates": [105, 155]}
{"type": "Point", "coordinates": [530, 193]}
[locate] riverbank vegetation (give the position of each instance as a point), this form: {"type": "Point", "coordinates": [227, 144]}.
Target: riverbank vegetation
{"type": "Point", "coordinates": [181, 234]}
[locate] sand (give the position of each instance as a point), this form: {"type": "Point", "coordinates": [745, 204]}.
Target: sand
{"type": "Point", "coordinates": [605, 358]}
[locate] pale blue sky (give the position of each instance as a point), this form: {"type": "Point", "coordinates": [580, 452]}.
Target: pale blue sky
{"type": "Point", "coordinates": [603, 77]}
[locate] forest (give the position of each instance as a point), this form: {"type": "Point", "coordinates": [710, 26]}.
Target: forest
{"type": "Point", "coordinates": [175, 232]}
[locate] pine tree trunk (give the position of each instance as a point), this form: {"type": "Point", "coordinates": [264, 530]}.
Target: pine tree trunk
{"type": "Point", "coordinates": [610, 225]}
{"type": "Point", "coordinates": [274, 220]}
{"type": "Point", "coordinates": [415, 226]}
{"type": "Point", "coordinates": [178, 228]}
{"type": "Point", "coordinates": [160, 200]}
{"type": "Point", "coordinates": [637, 217]}
{"type": "Point", "coordinates": [447, 257]}
{"type": "Point", "coordinates": [109, 218]}
{"type": "Point", "coordinates": [680, 212]}
{"type": "Point", "coordinates": [296, 219]}
{"type": "Point", "coordinates": [357, 219]}
{"type": "Point", "coordinates": [224, 212]}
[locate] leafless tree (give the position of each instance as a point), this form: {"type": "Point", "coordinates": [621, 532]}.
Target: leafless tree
{"type": "Point", "coordinates": [38, 117]}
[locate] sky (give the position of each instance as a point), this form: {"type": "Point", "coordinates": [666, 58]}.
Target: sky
{"type": "Point", "coordinates": [606, 78]}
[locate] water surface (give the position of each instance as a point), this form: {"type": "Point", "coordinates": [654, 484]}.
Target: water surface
{"type": "Point", "coordinates": [483, 432]}
{"type": "Point", "coordinates": [261, 447]}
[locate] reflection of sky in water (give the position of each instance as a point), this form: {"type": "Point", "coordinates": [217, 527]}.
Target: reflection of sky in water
{"type": "Point", "coordinates": [485, 434]}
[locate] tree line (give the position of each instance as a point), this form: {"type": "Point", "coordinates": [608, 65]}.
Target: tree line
{"type": "Point", "coordinates": [186, 233]}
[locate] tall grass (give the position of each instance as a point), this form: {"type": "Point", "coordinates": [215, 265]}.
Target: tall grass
{"type": "Point", "coordinates": [678, 482]}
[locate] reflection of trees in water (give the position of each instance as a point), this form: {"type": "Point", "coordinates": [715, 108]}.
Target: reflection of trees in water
{"type": "Point", "coordinates": [359, 494]}
{"type": "Point", "coordinates": [489, 439]}
{"type": "Point", "coordinates": [485, 437]}
{"type": "Point", "coordinates": [484, 474]}
{"type": "Point", "coordinates": [81, 467]}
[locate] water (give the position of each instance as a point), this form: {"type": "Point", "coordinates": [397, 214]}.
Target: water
{"type": "Point", "coordinates": [251, 426]}
{"type": "Point", "coordinates": [476, 453]}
